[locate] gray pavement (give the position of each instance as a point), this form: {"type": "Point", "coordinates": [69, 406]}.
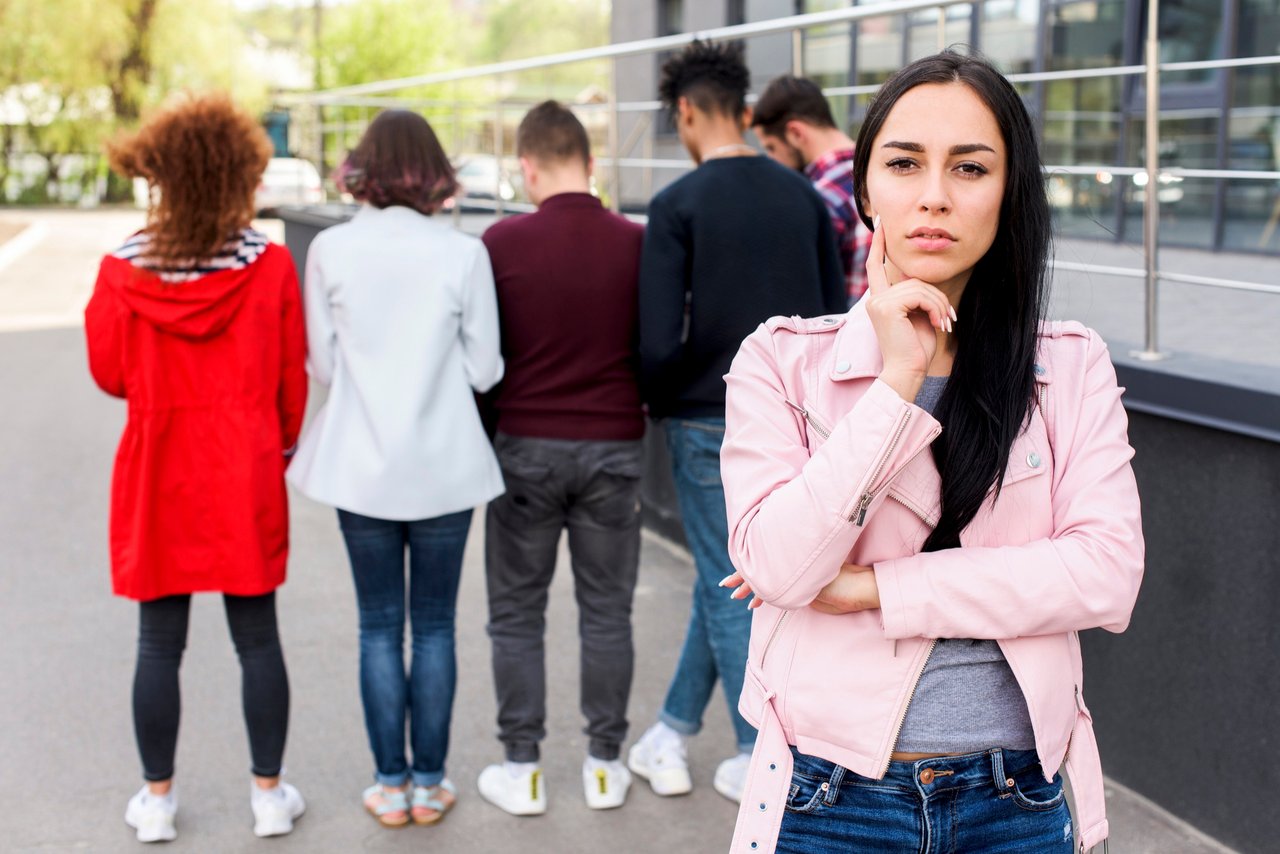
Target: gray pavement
{"type": "Point", "coordinates": [68, 659]}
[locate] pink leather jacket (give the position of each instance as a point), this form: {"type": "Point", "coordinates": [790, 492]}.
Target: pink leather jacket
{"type": "Point", "coordinates": [823, 465]}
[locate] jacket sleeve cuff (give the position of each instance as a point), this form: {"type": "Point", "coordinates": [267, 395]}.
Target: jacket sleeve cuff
{"type": "Point", "coordinates": [895, 610]}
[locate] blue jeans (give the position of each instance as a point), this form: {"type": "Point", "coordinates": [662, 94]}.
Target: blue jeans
{"type": "Point", "coordinates": [715, 645]}
{"type": "Point", "coordinates": [991, 802]}
{"type": "Point", "coordinates": [377, 551]}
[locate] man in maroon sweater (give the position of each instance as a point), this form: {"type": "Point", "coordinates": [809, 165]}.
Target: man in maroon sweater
{"type": "Point", "coordinates": [569, 441]}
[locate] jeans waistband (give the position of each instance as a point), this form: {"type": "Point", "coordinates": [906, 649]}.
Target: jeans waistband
{"type": "Point", "coordinates": [942, 772]}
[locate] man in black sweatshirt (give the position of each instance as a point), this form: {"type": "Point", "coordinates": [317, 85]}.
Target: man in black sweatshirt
{"type": "Point", "coordinates": [738, 240]}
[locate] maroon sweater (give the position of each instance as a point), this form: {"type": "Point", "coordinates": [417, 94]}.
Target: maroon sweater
{"type": "Point", "coordinates": [567, 297]}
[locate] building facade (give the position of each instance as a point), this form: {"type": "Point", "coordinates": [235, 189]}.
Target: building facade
{"type": "Point", "coordinates": [1222, 119]}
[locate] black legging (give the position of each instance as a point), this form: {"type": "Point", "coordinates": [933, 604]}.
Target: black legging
{"type": "Point", "coordinates": [264, 686]}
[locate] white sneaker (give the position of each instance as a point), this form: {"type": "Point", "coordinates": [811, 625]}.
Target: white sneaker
{"type": "Point", "coordinates": [659, 757]}
{"type": "Point", "coordinates": [731, 776]}
{"type": "Point", "coordinates": [515, 787]}
{"type": "Point", "coordinates": [605, 783]}
{"type": "Point", "coordinates": [152, 815]}
{"type": "Point", "coordinates": [275, 809]}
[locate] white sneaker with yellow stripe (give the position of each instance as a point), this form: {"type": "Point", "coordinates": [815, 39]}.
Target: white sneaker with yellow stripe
{"type": "Point", "coordinates": [515, 787]}
{"type": "Point", "coordinates": [605, 783]}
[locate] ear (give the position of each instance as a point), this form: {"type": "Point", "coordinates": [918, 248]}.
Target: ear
{"type": "Point", "coordinates": [796, 133]}
{"type": "Point", "coordinates": [747, 115]}
{"type": "Point", "coordinates": [684, 110]}
{"type": "Point", "coordinates": [591, 166]}
{"type": "Point", "coordinates": [529, 170]}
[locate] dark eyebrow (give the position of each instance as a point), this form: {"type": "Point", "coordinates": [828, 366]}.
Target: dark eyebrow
{"type": "Point", "coordinates": [968, 148]}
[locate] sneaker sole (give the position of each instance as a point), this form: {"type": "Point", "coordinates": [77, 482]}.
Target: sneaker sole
{"type": "Point", "coordinates": [167, 835]}
{"type": "Point", "coordinates": [682, 787]}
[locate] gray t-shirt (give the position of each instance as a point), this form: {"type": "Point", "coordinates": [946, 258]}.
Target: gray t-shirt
{"type": "Point", "coordinates": [967, 698]}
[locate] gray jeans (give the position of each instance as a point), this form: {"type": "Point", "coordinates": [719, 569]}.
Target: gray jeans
{"type": "Point", "coordinates": [593, 489]}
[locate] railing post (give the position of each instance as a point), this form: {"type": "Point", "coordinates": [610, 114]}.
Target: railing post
{"type": "Point", "coordinates": [497, 153]}
{"type": "Point", "coordinates": [1151, 194]}
{"type": "Point", "coordinates": [457, 149]}
{"type": "Point", "coordinates": [615, 168]}
{"type": "Point", "coordinates": [942, 28]}
{"type": "Point", "coordinates": [797, 52]}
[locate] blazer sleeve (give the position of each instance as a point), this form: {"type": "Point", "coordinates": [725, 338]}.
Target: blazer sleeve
{"type": "Point", "coordinates": [292, 396]}
{"type": "Point", "coordinates": [105, 322]}
{"type": "Point", "coordinates": [663, 288]}
{"type": "Point", "coordinates": [481, 344]}
{"type": "Point", "coordinates": [1085, 575]}
{"type": "Point", "coordinates": [793, 518]}
{"type": "Point", "coordinates": [322, 338]}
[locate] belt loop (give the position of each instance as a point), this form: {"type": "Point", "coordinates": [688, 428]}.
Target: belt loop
{"type": "Point", "coordinates": [833, 786]}
{"type": "Point", "coordinates": [997, 769]}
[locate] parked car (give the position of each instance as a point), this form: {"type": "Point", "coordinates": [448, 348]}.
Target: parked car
{"type": "Point", "coordinates": [482, 177]}
{"type": "Point", "coordinates": [288, 181]}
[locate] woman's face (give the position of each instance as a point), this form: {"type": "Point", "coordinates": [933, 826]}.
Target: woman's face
{"type": "Point", "coordinates": [935, 178]}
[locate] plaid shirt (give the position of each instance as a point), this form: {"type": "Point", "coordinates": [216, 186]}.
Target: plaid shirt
{"type": "Point", "coordinates": [832, 177]}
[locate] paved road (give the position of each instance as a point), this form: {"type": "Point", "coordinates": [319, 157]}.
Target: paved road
{"type": "Point", "coordinates": [68, 656]}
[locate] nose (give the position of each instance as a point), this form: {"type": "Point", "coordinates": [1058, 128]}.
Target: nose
{"type": "Point", "coordinates": [934, 197]}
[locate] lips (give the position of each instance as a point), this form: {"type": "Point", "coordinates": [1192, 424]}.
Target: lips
{"type": "Point", "coordinates": [931, 239]}
{"type": "Point", "coordinates": [932, 233]}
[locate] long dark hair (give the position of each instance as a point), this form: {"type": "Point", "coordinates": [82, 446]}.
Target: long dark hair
{"type": "Point", "coordinates": [991, 391]}
{"type": "Point", "coordinates": [399, 161]}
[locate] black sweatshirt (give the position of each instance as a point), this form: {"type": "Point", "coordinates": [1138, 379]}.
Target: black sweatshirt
{"type": "Point", "coordinates": [731, 244]}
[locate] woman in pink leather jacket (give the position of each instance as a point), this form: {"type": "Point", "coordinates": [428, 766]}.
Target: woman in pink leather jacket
{"type": "Point", "coordinates": [928, 498]}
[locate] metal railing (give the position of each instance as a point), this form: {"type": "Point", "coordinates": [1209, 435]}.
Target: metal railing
{"type": "Point", "coordinates": [370, 95]}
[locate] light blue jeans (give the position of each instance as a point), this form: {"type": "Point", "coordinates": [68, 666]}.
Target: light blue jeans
{"type": "Point", "coordinates": [425, 696]}
{"type": "Point", "coordinates": [715, 645]}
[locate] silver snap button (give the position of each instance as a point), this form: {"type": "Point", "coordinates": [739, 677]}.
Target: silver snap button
{"type": "Point", "coordinates": [755, 845]}
{"type": "Point", "coordinates": [828, 320]}
{"type": "Point", "coordinates": [763, 808]}
{"type": "Point", "coordinates": [841, 367]}
{"type": "Point", "coordinates": [1039, 369]}
{"type": "Point", "coordinates": [1033, 460]}
{"type": "Point", "coordinates": [773, 766]}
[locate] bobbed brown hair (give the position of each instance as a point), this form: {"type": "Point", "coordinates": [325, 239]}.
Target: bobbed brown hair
{"type": "Point", "coordinates": [206, 157]}
{"type": "Point", "coordinates": [551, 133]}
{"type": "Point", "coordinates": [399, 161]}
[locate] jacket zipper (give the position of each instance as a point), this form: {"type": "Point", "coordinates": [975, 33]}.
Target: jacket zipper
{"type": "Point", "coordinates": [860, 512]}
{"type": "Point", "coordinates": [902, 716]}
{"type": "Point", "coordinates": [1041, 391]}
{"type": "Point", "coordinates": [821, 429]}
{"type": "Point", "coordinates": [916, 511]}
{"type": "Point", "coordinates": [773, 635]}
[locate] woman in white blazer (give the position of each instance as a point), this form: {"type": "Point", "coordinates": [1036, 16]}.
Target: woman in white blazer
{"type": "Point", "coordinates": [402, 327]}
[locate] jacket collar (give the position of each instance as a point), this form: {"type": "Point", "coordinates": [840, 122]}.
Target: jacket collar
{"type": "Point", "coordinates": [857, 351]}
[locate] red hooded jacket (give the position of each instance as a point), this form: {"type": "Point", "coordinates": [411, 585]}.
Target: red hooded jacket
{"type": "Point", "coordinates": [213, 370]}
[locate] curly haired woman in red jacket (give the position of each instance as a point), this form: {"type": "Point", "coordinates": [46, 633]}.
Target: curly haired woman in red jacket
{"type": "Point", "coordinates": [196, 322]}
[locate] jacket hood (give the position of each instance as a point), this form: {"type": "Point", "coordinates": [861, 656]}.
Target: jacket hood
{"type": "Point", "coordinates": [196, 309]}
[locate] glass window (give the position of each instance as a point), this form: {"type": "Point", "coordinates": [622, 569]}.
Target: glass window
{"type": "Point", "coordinates": [923, 40]}
{"type": "Point", "coordinates": [1253, 206]}
{"type": "Point", "coordinates": [1190, 31]}
{"type": "Point", "coordinates": [1186, 204]}
{"type": "Point", "coordinates": [1007, 33]}
{"type": "Point", "coordinates": [1087, 34]}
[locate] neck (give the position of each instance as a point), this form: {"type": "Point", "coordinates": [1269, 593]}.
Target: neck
{"type": "Point", "coordinates": [556, 184]}
{"type": "Point", "coordinates": [719, 133]}
{"type": "Point", "coordinates": [826, 141]}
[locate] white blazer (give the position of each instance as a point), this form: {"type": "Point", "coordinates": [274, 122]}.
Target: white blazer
{"type": "Point", "coordinates": [402, 325]}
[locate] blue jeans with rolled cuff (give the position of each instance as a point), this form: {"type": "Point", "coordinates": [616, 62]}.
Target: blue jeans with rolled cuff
{"type": "Point", "coordinates": [715, 644]}
{"type": "Point", "coordinates": [991, 802]}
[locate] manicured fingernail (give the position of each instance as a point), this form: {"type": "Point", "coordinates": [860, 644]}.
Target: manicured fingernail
{"type": "Point", "coordinates": [725, 580]}
{"type": "Point", "coordinates": [875, 223]}
{"type": "Point", "coordinates": [952, 310]}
